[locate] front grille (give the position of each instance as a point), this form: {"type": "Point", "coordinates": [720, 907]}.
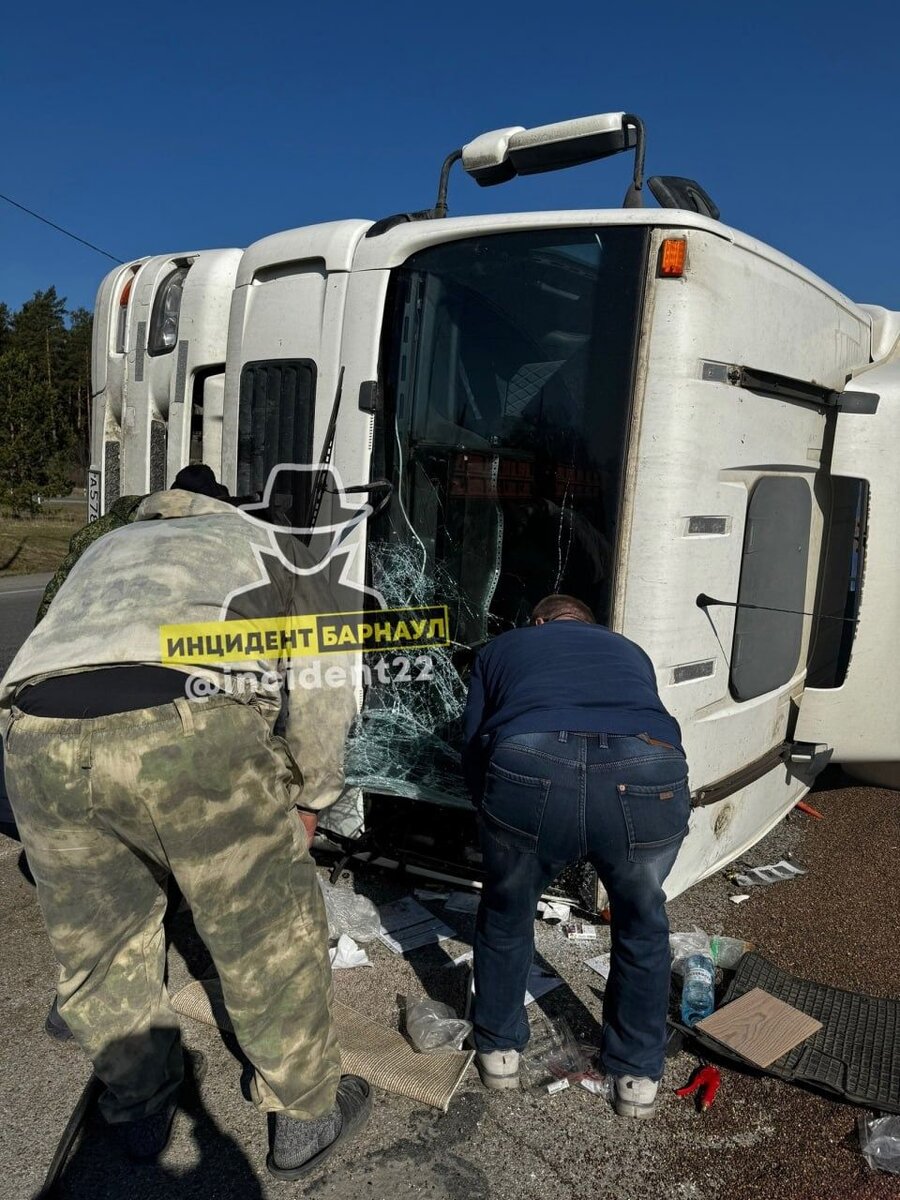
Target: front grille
{"type": "Point", "coordinates": [275, 427]}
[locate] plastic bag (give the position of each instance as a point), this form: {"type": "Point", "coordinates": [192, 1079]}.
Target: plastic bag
{"type": "Point", "coordinates": [347, 954]}
{"type": "Point", "coordinates": [349, 913]}
{"type": "Point", "coordinates": [432, 1027]}
{"type": "Point", "coordinates": [727, 952]}
{"type": "Point", "coordinates": [553, 1053]}
{"type": "Point", "coordinates": [879, 1139]}
{"type": "Point", "coordinates": [683, 945]}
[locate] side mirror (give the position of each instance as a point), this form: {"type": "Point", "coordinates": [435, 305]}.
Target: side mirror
{"type": "Point", "coordinates": [498, 156]}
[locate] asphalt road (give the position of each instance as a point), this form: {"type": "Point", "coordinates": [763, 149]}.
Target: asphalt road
{"type": "Point", "coordinates": [762, 1139]}
{"type": "Point", "coordinates": [19, 597]}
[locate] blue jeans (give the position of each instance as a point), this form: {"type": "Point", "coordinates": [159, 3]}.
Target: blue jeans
{"type": "Point", "coordinates": [553, 799]}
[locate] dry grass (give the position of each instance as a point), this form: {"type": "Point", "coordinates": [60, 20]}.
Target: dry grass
{"type": "Point", "coordinates": [32, 544]}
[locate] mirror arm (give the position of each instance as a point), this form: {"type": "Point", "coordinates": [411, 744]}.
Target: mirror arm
{"type": "Point", "coordinates": [633, 197]}
{"type": "Point", "coordinates": [440, 209]}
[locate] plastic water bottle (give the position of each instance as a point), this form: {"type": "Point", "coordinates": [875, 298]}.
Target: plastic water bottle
{"type": "Point", "coordinates": [727, 952]}
{"type": "Point", "coordinates": [698, 991]}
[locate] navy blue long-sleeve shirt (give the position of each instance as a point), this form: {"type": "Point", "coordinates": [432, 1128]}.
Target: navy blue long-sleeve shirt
{"type": "Point", "coordinates": [560, 675]}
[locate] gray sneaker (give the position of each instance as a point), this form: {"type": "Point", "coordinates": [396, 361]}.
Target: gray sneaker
{"type": "Point", "coordinates": [300, 1147]}
{"type": "Point", "coordinates": [635, 1096]}
{"type": "Point", "coordinates": [499, 1069]}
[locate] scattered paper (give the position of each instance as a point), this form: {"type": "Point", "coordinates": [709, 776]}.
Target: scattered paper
{"type": "Point", "coordinates": [540, 982]}
{"type": "Point", "coordinates": [774, 873]}
{"type": "Point", "coordinates": [600, 964]}
{"type": "Point", "coordinates": [738, 899]}
{"type": "Point", "coordinates": [347, 954]}
{"type": "Point", "coordinates": [580, 931]}
{"type": "Point", "coordinates": [558, 1085]}
{"type": "Point", "coordinates": [554, 910]}
{"type": "Point", "coordinates": [463, 902]}
{"type": "Point", "coordinates": [406, 925]}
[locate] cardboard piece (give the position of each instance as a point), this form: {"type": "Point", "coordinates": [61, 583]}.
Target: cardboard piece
{"type": "Point", "coordinates": [759, 1028]}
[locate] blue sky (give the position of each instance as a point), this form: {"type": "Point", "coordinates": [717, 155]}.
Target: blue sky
{"type": "Point", "coordinates": [172, 127]}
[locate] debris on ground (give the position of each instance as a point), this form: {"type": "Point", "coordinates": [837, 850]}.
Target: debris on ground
{"type": "Point", "coordinates": [349, 913]}
{"type": "Point", "coordinates": [727, 952]}
{"type": "Point", "coordinates": [558, 1085]}
{"type": "Point", "coordinates": [702, 1085]}
{"type": "Point", "coordinates": [773, 873]}
{"type": "Point", "coordinates": [683, 945]}
{"type": "Point", "coordinates": [554, 910]}
{"type": "Point", "coordinates": [803, 807]}
{"type": "Point", "coordinates": [555, 1060]}
{"type": "Point", "coordinates": [347, 954]}
{"type": "Point", "coordinates": [759, 1027]}
{"type": "Point", "coordinates": [406, 925]}
{"type": "Point", "coordinates": [432, 1026]}
{"type": "Point", "coordinates": [540, 982]}
{"type": "Point", "coordinates": [600, 963]}
{"type": "Point", "coordinates": [552, 1053]}
{"type": "Point", "coordinates": [579, 931]}
{"type": "Point", "coordinates": [879, 1140]}
{"type": "Point", "coordinates": [698, 988]}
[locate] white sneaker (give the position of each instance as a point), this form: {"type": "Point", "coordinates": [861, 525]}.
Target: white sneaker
{"type": "Point", "coordinates": [635, 1096]}
{"type": "Point", "coordinates": [499, 1069]}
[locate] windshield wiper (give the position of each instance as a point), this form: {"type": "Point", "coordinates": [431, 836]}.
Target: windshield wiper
{"type": "Point", "coordinates": [321, 481]}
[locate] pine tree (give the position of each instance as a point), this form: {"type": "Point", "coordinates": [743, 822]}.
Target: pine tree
{"type": "Point", "coordinates": [45, 374]}
{"type": "Point", "coordinates": [34, 444]}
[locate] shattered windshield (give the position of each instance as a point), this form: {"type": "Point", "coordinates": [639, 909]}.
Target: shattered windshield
{"type": "Point", "coordinates": [507, 367]}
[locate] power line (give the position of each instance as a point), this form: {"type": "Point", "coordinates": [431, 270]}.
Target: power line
{"type": "Point", "coordinates": [59, 228]}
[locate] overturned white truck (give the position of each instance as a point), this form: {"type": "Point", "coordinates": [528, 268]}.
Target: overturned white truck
{"type": "Point", "coordinates": [639, 406]}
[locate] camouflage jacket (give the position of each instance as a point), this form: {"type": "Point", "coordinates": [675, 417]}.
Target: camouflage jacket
{"type": "Point", "coordinates": [190, 559]}
{"type": "Point", "coordinates": [120, 513]}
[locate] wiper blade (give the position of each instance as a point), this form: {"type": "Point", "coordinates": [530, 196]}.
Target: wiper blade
{"type": "Point", "coordinates": [321, 480]}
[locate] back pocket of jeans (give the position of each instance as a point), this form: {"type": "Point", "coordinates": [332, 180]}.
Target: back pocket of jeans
{"type": "Point", "coordinates": [513, 805]}
{"type": "Point", "coordinates": [656, 816]}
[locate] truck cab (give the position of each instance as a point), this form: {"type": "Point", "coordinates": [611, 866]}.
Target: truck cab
{"type": "Point", "coordinates": [642, 407]}
{"type": "Point", "coordinates": [159, 368]}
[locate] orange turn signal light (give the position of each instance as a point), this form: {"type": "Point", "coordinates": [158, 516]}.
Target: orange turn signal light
{"type": "Point", "coordinates": [671, 257]}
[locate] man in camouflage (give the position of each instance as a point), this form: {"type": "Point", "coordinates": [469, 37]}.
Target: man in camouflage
{"type": "Point", "coordinates": [197, 477]}
{"type": "Point", "coordinates": [120, 512]}
{"type": "Point", "coordinates": [118, 778]}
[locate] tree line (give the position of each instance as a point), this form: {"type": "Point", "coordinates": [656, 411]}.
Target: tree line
{"type": "Point", "coordinates": [45, 394]}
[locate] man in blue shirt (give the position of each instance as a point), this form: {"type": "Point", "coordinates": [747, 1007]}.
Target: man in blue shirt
{"type": "Point", "coordinates": [571, 755]}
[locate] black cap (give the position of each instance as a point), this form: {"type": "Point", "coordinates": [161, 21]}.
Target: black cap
{"type": "Point", "coordinates": [200, 478]}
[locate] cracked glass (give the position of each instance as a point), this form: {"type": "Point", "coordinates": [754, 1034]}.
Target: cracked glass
{"type": "Point", "coordinates": [507, 374]}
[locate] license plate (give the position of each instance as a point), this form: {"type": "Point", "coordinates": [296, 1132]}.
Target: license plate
{"type": "Point", "coordinates": [93, 495]}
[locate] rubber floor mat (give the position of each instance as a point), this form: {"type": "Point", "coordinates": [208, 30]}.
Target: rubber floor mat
{"type": "Point", "coordinates": [381, 1055]}
{"type": "Point", "coordinates": [855, 1056]}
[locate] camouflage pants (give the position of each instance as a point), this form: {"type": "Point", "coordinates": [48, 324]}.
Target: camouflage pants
{"type": "Point", "coordinates": [107, 808]}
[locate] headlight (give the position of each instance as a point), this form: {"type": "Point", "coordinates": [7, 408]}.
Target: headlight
{"type": "Point", "coordinates": [166, 310]}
